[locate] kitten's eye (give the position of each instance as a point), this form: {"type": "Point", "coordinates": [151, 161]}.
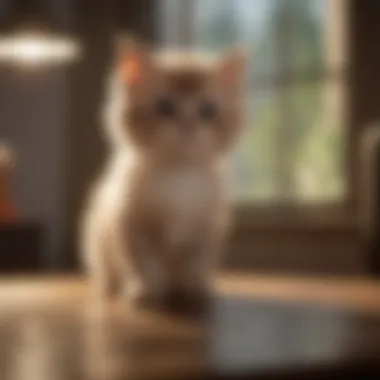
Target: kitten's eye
{"type": "Point", "coordinates": [166, 107]}
{"type": "Point", "coordinates": [207, 110]}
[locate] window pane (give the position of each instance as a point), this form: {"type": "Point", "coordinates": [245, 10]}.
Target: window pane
{"type": "Point", "coordinates": [318, 145]}
{"type": "Point", "coordinates": [293, 147]}
{"type": "Point", "coordinates": [255, 161]}
{"type": "Point", "coordinates": [300, 35]}
{"type": "Point", "coordinates": [222, 23]}
{"type": "Point", "coordinates": [314, 34]}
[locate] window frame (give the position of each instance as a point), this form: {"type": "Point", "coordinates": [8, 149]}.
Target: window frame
{"type": "Point", "coordinates": [282, 212]}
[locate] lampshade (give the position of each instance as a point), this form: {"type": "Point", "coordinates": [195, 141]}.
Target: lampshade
{"type": "Point", "coordinates": [29, 35]}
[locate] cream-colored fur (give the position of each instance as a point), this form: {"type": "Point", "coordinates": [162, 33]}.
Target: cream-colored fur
{"type": "Point", "coordinates": [155, 223]}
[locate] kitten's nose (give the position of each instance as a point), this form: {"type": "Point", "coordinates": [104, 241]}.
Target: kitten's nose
{"type": "Point", "coordinates": [187, 127]}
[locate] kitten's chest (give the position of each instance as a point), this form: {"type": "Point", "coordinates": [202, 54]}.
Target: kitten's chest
{"type": "Point", "coordinates": [185, 192]}
{"type": "Point", "coordinates": [177, 204]}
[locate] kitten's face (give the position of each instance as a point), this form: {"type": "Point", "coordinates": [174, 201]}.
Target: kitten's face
{"type": "Point", "coordinates": [183, 112]}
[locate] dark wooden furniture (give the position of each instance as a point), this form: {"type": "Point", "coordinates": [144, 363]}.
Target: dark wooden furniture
{"type": "Point", "coordinates": [370, 195]}
{"type": "Point", "coordinates": [21, 248]}
{"type": "Point", "coordinates": [257, 328]}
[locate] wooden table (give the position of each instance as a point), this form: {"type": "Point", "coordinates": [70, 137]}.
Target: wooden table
{"type": "Point", "coordinates": [258, 327]}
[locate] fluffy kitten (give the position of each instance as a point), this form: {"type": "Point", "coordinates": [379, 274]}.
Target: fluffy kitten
{"type": "Point", "coordinates": [158, 215]}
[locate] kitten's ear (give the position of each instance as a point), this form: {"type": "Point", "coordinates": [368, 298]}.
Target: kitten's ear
{"type": "Point", "coordinates": [135, 63]}
{"type": "Point", "coordinates": [232, 68]}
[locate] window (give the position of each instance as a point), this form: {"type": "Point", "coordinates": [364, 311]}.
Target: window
{"type": "Point", "coordinates": [294, 148]}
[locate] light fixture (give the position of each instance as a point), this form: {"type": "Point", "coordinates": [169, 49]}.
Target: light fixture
{"type": "Point", "coordinates": [29, 37]}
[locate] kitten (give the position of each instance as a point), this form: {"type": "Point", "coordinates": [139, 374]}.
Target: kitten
{"type": "Point", "coordinates": [158, 215]}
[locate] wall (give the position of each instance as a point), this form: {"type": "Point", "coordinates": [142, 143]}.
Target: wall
{"type": "Point", "coordinates": [33, 120]}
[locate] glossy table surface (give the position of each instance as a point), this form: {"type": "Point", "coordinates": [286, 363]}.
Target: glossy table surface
{"type": "Point", "coordinates": [261, 327]}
